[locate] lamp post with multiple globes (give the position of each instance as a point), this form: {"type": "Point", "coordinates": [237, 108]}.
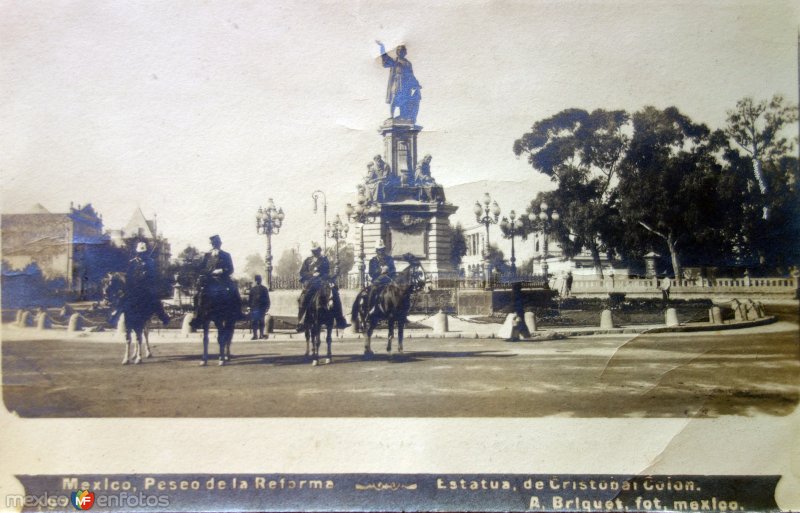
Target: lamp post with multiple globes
{"type": "Point", "coordinates": [362, 213]}
{"type": "Point", "coordinates": [511, 227]}
{"type": "Point", "coordinates": [547, 220]}
{"type": "Point", "coordinates": [487, 215]}
{"type": "Point", "coordinates": [268, 222]}
{"type": "Point", "coordinates": [336, 230]}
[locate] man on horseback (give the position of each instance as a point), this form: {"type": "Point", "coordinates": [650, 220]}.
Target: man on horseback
{"type": "Point", "coordinates": [215, 274]}
{"type": "Point", "coordinates": [381, 271]}
{"type": "Point", "coordinates": [141, 286]}
{"type": "Point", "coordinates": [314, 274]}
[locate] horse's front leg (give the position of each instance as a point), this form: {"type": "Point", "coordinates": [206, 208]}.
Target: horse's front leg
{"type": "Point", "coordinates": [226, 339]}
{"type": "Point", "coordinates": [205, 343]}
{"type": "Point", "coordinates": [314, 345]}
{"type": "Point", "coordinates": [400, 328]}
{"type": "Point", "coordinates": [126, 359]}
{"type": "Point", "coordinates": [146, 333]}
{"type": "Point", "coordinates": [229, 340]}
{"type": "Point", "coordinates": [390, 336]}
{"type": "Point", "coordinates": [221, 338]}
{"type": "Point", "coordinates": [329, 358]}
{"type": "Point", "coordinates": [371, 322]}
{"type": "Point", "coordinates": [138, 349]}
{"type": "Point", "coordinates": [308, 342]}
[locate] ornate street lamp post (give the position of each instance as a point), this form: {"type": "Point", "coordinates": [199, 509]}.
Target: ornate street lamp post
{"type": "Point", "coordinates": [268, 222]}
{"type": "Point", "coordinates": [482, 216]}
{"type": "Point", "coordinates": [336, 230]}
{"type": "Point", "coordinates": [512, 227]}
{"type": "Point", "coordinates": [547, 219]}
{"type": "Point", "coordinates": [315, 195]}
{"type": "Point", "coordinates": [363, 212]}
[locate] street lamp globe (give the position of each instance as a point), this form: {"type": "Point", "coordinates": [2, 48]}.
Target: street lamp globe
{"type": "Point", "coordinates": [477, 209]}
{"type": "Point", "coordinates": [495, 209]}
{"type": "Point", "coordinates": [555, 216]}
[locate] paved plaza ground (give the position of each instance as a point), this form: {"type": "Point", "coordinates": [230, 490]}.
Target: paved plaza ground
{"type": "Point", "coordinates": [751, 371]}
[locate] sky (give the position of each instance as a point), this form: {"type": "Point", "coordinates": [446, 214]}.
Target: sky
{"type": "Point", "coordinates": [201, 111]}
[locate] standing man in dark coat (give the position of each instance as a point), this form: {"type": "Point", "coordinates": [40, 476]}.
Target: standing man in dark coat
{"type": "Point", "coordinates": [381, 271]}
{"type": "Point", "coordinates": [141, 283]}
{"type": "Point", "coordinates": [259, 306]}
{"type": "Point", "coordinates": [314, 273]}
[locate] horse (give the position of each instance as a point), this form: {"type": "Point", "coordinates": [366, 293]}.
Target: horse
{"type": "Point", "coordinates": [320, 312]}
{"type": "Point", "coordinates": [217, 302]}
{"type": "Point", "coordinates": [392, 304]}
{"type": "Point", "coordinates": [135, 310]}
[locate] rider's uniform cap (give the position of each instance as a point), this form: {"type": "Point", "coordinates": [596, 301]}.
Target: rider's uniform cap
{"type": "Point", "coordinates": [315, 246]}
{"type": "Point", "coordinates": [215, 238]}
{"type": "Point", "coordinates": [141, 247]}
{"type": "Point", "coordinates": [380, 244]}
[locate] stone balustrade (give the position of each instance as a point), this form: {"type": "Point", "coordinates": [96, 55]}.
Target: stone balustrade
{"type": "Point", "coordinates": [700, 287]}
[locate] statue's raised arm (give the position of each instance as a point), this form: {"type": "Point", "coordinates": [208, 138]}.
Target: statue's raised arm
{"type": "Point", "coordinates": [403, 90]}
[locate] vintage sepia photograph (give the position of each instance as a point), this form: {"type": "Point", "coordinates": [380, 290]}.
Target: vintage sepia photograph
{"type": "Point", "coordinates": [254, 259]}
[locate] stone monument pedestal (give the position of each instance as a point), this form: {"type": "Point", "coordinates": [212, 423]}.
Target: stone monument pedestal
{"type": "Point", "coordinates": [411, 214]}
{"type": "Point", "coordinates": [421, 229]}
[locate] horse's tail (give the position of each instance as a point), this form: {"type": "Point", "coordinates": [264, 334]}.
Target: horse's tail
{"type": "Point", "coordinates": [356, 313]}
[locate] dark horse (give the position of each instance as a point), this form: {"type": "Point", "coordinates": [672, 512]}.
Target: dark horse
{"type": "Point", "coordinates": [320, 313]}
{"type": "Point", "coordinates": [217, 302]}
{"type": "Point", "coordinates": [134, 308]}
{"type": "Point", "coordinates": [392, 304]}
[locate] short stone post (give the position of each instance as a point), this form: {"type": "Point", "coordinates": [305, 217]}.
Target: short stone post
{"type": "Point", "coordinates": [75, 323]}
{"type": "Point", "coordinates": [18, 320]}
{"type": "Point", "coordinates": [440, 325]}
{"type": "Point", "coordinates": [671, 317]}
{"type": "Point", "coordinates": [43, 321]}
{"type": "Point", "coordinates": [186, 328]}
{"type": "Point", "coordinates": [25, 319]}
{"type": "Point", "coordinates": [530, 321]}
{"type": "Point", "coordinates": [715, 315]}
{"type": "Point", "coordinates": [506, 331]}
{"type": "Point", "coordinates": [269, 323]}
{"type": "Point", "coordinates": [606, 322]}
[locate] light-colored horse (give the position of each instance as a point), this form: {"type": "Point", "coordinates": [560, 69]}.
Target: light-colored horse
{"type": "Point", "coordinates": [136, 314]}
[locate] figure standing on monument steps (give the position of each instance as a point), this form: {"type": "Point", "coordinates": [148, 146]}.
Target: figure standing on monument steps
{"type": "Point", "coordinates": [403, 91]}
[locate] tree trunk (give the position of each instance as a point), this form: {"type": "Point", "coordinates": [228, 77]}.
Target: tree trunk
{"type": "Point", "coordinates": [598, 266]}
{"type": "Point", "coordinates": [762, 185]}
{"type": "Point", "coordinates": [676, 261]}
